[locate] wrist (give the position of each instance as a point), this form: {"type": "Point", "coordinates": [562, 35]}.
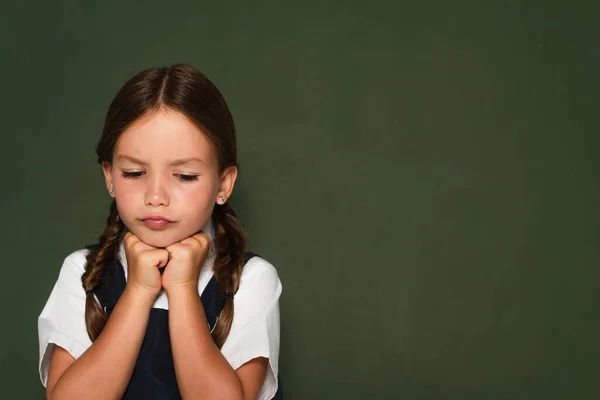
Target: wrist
{"type": "Point", "coordinates": [140, 294]}
{"type": "Point", "coordinates": [185, 290]}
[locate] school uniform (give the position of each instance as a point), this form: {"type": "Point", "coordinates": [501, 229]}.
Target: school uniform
{"type": "Point", "coordinates": [254, 330]}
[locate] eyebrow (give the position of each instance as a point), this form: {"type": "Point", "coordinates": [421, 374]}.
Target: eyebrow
{"type": "Point", "coordinates": [176, 162]}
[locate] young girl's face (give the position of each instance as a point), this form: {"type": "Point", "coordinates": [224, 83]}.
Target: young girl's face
{"type": "Point", "coordinates": [165, 178]}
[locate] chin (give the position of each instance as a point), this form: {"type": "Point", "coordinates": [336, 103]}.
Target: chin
{"type": "Point", "coordinates": [160, 239]}
{"type": "Point", "coordinates": [160, 243]}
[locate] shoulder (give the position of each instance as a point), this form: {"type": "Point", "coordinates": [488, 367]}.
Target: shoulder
{"type": "Point", "coordinates": [78, 257]}
{"type": "Point", "coordinates": [74, 263]}
{"type": "Point", "coordinates": [260, 278]}
{"type": "Point", "coordinates": [257, 268]}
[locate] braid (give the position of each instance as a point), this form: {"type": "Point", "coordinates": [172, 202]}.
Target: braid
{"type": "Point", "coordinates": [107, 248]}
{"type": "Point", "coordinates": [229, 244]}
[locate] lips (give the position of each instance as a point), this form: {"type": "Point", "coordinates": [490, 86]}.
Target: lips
{"type": "Point", "coordinates": [156, 221]}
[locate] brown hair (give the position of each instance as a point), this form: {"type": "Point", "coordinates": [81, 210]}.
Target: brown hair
{"type": "Point", "coordinates": [184, 89]}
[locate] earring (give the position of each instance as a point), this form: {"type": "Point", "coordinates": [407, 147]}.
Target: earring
{"type": "Point", "coordinates": [222, 199]}
{"type": "Point", "coordinates": [112, 191]}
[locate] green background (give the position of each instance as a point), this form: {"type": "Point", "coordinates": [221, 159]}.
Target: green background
{"type": "Point", "coordinates": [424, 176]}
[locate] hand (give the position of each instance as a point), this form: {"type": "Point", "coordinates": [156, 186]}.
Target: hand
{"type": "Point", "coordinates": [186, 259]}
{"type": "Point", "coordinates": [143, 263]}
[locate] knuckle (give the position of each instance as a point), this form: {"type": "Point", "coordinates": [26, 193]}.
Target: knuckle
{"type": "Point", "coordinates": [136, 246]}
{"type": "Point", "coordinates": [206, 239]}
{"type": "Point", "coordinates": [174, 248]}
{"type": "Point", "coordinates": [203, 240]}
{"type": "Point", "coordinates": [185, 251]}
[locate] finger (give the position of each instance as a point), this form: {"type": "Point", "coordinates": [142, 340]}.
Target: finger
{"type": "Point", "coordinates": [139, 245]}
{"type": "Point", "coordinates": [154, 258]}
{"type": "Point", "coordinates": [202, 238]}
{"type": "Point", "coordinates": [174, 247]}
{"type": "Point", "coordinates": [193, 244]}
{"type": "Point", "coordinates": [131, 241]}
{"type": "Point", "coordinates": [199, 244]}
{"type": "Point", "coordinates": [181, 250]}
{"type": "Point", "coordinates": [163, 257]}
{"type": "Point", "coordinates": [129, 238]}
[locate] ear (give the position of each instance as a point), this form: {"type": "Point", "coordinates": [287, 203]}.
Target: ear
{"type": "Point", "coordinates": [228, 177]}
{"type": "Point", "coordinates": [107, 170]}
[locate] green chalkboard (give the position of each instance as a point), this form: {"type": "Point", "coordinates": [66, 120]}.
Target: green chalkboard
{"type": "Point", "coordinates": [423, 175]}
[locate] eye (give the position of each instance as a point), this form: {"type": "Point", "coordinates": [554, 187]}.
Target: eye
{"type": "Point", "coordinates": [187, 178]}
{"type": "Point", "coordinates": [131, 175]}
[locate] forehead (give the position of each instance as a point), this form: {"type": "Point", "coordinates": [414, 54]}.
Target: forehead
{"type": "Point", "coordinates": [164, 135]}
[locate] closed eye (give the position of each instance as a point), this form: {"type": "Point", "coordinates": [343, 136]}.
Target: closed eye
{"type": "Point", "coordinates": [131, 175]}
{"type": "Point", "coordinates": [138, 174]}
{"type": "Point", "coordinates": [187, 178]}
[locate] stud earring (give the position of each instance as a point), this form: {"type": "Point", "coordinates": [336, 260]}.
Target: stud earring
{"type": "Point", "coordinates": [222, 199]}
{"type": "Point", "coordinates": [112, 191]}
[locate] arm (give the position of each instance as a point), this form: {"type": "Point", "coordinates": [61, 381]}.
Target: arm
{"type": "Point", "coordinates": [104, 369]}
{"type": "Point", "coordinates": [202, 371]}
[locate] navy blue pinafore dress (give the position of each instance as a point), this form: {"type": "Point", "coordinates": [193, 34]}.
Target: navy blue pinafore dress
{"type": "Point", "coordinates": [154, 372]}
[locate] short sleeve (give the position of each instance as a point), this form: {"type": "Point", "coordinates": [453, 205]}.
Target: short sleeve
{"type": "Point", "coordinates": [62, 321]}
{"type": "Point", "coordinates": [255, 327]}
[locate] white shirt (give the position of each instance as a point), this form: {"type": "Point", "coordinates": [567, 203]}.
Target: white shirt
{"type": "Point", "coordinates": [254, 329]}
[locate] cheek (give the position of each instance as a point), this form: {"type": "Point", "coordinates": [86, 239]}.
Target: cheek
{"type": "Point", "coordinates": [194, 210]}
{"type": "Point", "coordinates": [127, 208]}
{"type": "Point", "coordinates": [197, 200]}
{"type": "Point", "coordinates": [126, 194]}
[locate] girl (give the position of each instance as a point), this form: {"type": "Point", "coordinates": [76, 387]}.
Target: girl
{"type": "Point", "coordinates": [166, 305]}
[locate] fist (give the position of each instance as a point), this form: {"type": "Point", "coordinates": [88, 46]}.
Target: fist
{"type": "Point", "coordinates": [143, 263]}
{"type": "Point", "coordinates": [185, 262]}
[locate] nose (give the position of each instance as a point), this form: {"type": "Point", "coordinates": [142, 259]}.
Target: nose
{"type": "Point", "coordinates": [157, 193]}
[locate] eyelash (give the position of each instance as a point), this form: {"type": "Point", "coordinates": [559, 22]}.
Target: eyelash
{"type": "Point", "coordinates": [138, 174]}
